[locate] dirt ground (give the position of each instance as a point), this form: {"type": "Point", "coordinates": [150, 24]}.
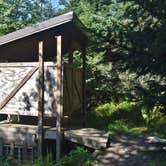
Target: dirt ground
{"type": "Point", "coordinates": [125, 150]}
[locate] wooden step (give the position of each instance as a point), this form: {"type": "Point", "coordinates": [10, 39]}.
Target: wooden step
{"type": "Point", "coordinates": [90, 137]}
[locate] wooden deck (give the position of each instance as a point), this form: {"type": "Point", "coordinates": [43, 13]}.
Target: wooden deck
{"type": "Point", "coordinates": [92, 138]}
{"type": "Point", "coordinates": [24, 134]}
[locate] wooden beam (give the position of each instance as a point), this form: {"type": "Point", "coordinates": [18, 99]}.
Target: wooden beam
{"type": "Point", "coordinates": [34, 112]}
{"type": "Point", "coordinates": [84, 83]}
{"type": "Point", "coordinates": [1, 146]}
{"type": "Point", "coordinates": [58, 95]}
{"type": "Point", "coordinates": [20, 134]}
{"type": "Point", "coordinates": [41, 101]}
{"type": "Point", "coordinates": [25, 64]}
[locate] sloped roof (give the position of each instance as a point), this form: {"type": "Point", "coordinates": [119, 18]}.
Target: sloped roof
{"type": "Point", "coordinates": [39, 27]}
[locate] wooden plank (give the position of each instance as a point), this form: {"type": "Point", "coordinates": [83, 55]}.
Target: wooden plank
{"type": "Point", "coordinates": [41, 101]}
{"type": "Point", "coordinates": [79, 93]}
{"type": "Point", "coordinates": [72, 90]}
{"type": "Point", "coordinates": [25, 64]}
{"type": "Point", "coordinates": [68, 66]}
{"type": "Point", "coordinates": [27, 113]}
{"type": "Point", "coordinates": [18, 87]}
{"type": "Point", "coordinates": [24, 134]}
{"type": "Point", "coordinates": [84, 84]}
{"type": "Point", "coordinates": [1, 146]}
{"type": "Point", "coordinates": [68, 100]}
{"type": "Point", "coordinates": [59, 104]}
{"type": "Point", "coordinates": [50, 134]}
{"type": "Point", "coordinates": [156, 140]}
{"type": "Point", "coordinates": [92, 138]}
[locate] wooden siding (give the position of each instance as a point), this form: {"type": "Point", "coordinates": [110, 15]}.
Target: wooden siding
{"type": "Point", "coordinates": [72, 89]}
{"type": "Point", "coordinates": [25, 101]}
{"type": "Point", "coordinates": [21, 134]}
{"type": "Point", "coordinates": [9, 78]}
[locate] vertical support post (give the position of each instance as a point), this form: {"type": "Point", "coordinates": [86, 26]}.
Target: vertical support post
{"type": "Point", "coordinates": [59, 100]}
{"type": "Point", "coordinates": [84, 83]}
{"type": "Point", "coordinates": [1, 146]}
{"type": "Point", "coordinates": [12, 148]}
{"type": "Point", "coordinates": [25, 147]}
{"type": "Point", "coordinates": [41, 101]}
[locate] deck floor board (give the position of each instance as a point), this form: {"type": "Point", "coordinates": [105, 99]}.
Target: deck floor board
{"type": "Point", "coordinates": [90, 137]}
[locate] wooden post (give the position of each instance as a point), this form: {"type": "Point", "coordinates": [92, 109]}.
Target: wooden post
{"type": "Point", "coordinates": [25, 147]}
{"type": "Point", "coordinates": [41, 101]}
{"type": "Point", "coordinates": [12, 148]}
{"type": "Point", "coordinates": [59, 100]}
{"type": "Point", "coordinates": [1, 146]}
{"type": "Point", "coordinates": [84, 83]}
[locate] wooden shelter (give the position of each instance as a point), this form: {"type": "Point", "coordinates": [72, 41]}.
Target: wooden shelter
{"type": "Point", "coordinates": [39, 80]}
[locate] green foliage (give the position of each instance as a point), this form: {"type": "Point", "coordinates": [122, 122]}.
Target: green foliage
{"type": "Point", "coordinates": [48, 161]}
{"type": "Point", "coordinates": [128, 117]}
{"type": "Point", "coordinates": [127, 111]}
{"type": "Point", "coordinates": [129, 36]}
{"type": "Point", "coordinates": [126, 50]}
{"type": "Point", "coordinates": [10, 161]}
{"type": "Point", "coordinates": [77, 157]}
{"type": "Point", "coordinates": [7, 161]}
{"type": "Point", "coordinates": [125, 56]}
{"type": "Point", "coordinates": [157, 122]}
{"type": "Point", "coordinates": [16, 14]}
{"type": "Point", "coordinates": [120, 127]}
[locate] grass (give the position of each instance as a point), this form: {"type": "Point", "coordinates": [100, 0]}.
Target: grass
{"type": "Point", "coordinates": [121, 127]}
{"type": "Point", "coordinates": [128, 118]}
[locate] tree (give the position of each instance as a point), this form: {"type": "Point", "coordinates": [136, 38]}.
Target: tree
{"type": "Point", "coordinates": [16, 14]}
{"type": "Point", "coordinates": [126, 50]}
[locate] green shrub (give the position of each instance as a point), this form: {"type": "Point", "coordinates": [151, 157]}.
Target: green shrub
{"type": "Point", "coordinates": [7, 161]}
{"type": "Point", "coordinates": [118, 127]}
{"type": "Point", "coordinates": [77, 157]}
{"type": "Point", "coordinates": [127, 111]}
{"type": "Point", "coordinates": [10, 161]}
{"type": "Point", "coordinates": [48, 161]}
{"type": "Point", "coordinates": [157, 122]}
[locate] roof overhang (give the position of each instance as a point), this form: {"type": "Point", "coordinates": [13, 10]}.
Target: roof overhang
{"type": "Point", "coordinates": [40, 27]}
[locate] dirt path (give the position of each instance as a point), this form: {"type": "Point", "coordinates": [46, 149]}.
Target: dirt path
{"type": "Point", "coordinates": [125, 150]}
